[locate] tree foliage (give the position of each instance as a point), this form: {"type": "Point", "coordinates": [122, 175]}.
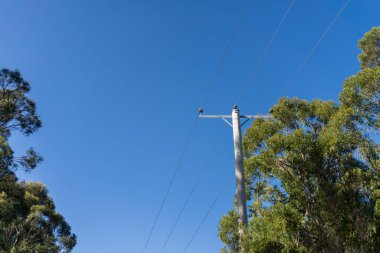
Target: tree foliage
{"type": "Point", "coordinates": [370, 46]}
{"type": "Point", "coordinates": [28, 219]}
{"type": "Point", "coordinates": [312, 171]}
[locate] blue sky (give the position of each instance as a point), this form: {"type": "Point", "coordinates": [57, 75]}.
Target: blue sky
{"type": "Point", "coordinates": [118, 84]}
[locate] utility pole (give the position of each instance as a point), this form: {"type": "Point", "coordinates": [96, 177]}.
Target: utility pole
{"type": "Point", "coordinates": [239, 167]}
{"type": "Point", "coordinates": [239, 163]}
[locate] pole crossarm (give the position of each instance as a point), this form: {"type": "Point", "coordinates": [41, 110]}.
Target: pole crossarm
{"type": "Point", "coordinates": [214, 116]}
{"type": "Point", "coordinates": [229, 116]}
{"type": "Point", "coordinates": [224, 117]}
{"type": "Point", "coordinates": [236, 125]}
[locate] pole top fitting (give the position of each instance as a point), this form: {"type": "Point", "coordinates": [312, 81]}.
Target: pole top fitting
{"type": "Point", "coordinates": [235, 107]}
{"type": "Point", "coordinates": [200, 110]}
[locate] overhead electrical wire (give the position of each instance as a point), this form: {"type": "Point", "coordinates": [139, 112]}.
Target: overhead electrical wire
{"type": "Point", "coordinates": [188, 140]}
{"type": "Point", "coordinates": [252, 74]}
{"type": "Point", "coordinates": [196, 231]}
{"type": "Point", "coordinates": [214, 147]}
{"type": "Point", "coordinates": [291, 80]}
{"type": "Point", "coordinates": [310, 54]}
{"type": "Point", "coordinates": [265, 52]}
{"type": "Point", "coordinates": [171, 182]}
{"type": "Point", "coordinates": [226, 51]}
{"type": "Point", "coordinates": [209, 156]}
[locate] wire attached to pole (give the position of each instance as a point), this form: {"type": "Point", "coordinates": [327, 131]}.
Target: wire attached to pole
{"type": "Point", "coordinates": [265, 52]}
{"type": "Point", "coordinates": [316, 45]}
{"type": "Point", "coordinates": [209, 89]}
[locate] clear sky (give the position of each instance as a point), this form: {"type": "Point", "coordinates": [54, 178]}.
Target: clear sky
{"type": "Point", "coordinates": [118, 84]}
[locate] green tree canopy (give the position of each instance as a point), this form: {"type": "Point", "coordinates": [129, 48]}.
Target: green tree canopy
{"type": "Point", "coordinates": [312, 171]}
{"type": "Point", "coordinates": [370, 46]}
{"type": "Point", "coordinates": [29, 222]}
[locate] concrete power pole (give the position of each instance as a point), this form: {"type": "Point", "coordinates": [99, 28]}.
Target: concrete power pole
{"type": "Point", "coordinates": [239, 165]}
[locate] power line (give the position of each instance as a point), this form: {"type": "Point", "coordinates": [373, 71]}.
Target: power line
{"type": "Point", "coordinates": [289, 83]}
{"type": "Point", "coordinates": [205, 216]}
{"type": "Point", "coordinates": [171, 182]}
{"type": "Point", "coordinates": [307, 58]}
{"type": "Point", "coordinates": [264, 53]}
{"type": "Point", "coordinates": [214, 147]}
{"type": "Point", "coordinates": [209, 89]}
{"type": "Point", "coordinates": [226, 51]}
{"type": "Point", "coordinates": [253, 73]}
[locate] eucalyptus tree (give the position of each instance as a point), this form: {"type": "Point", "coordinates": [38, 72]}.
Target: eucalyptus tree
{"type": "Point", "coordinates": [313, 171]}
{"type": "Point", "coordinates": [28, 219]}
